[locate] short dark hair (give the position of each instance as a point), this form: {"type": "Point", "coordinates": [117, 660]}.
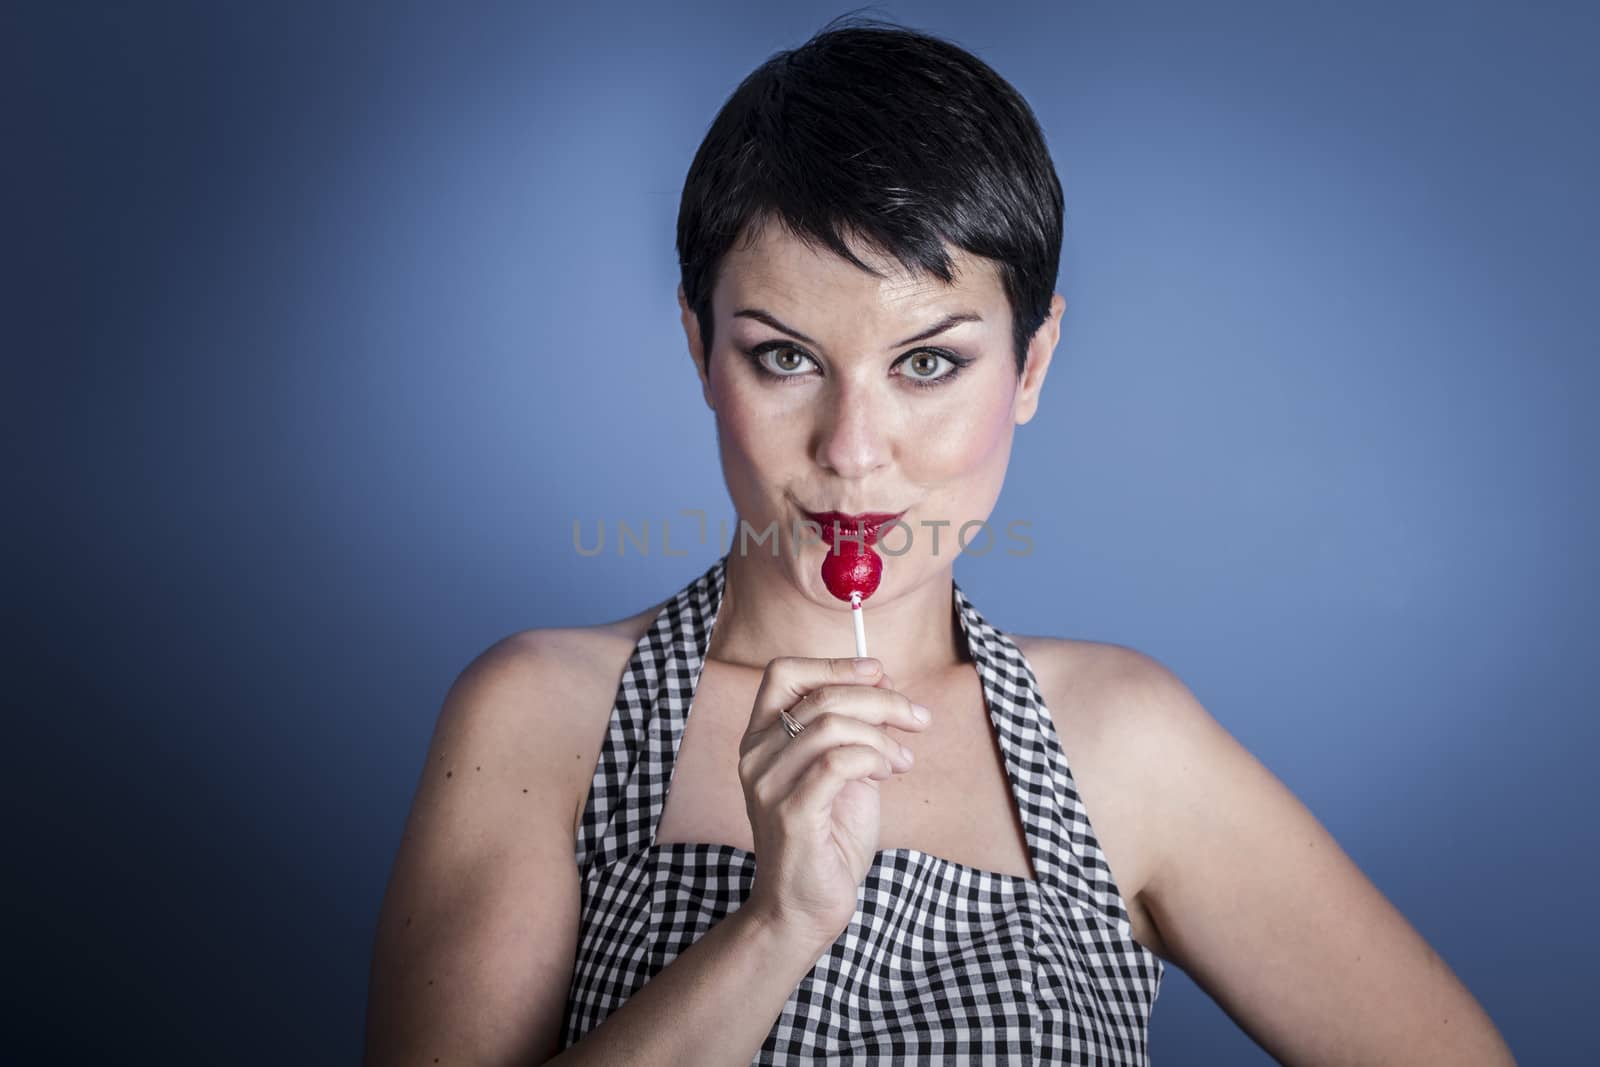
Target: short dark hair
{"type": "Point", "coordinates": [888, 135]}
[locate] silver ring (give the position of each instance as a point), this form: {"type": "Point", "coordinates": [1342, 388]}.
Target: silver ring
{"type": "Point", "coordinates": [791, 724]}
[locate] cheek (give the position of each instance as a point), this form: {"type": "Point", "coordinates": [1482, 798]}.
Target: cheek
{"type": "Point", "coordinates": [969, 440]}
{"type": "Point", "coordinates": [741, 419]}
{"type": "Point", "coordinates": [753, 432]}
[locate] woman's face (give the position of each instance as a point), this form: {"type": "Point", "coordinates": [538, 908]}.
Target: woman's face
{"type": "Point", "coordinates": [838, 391]}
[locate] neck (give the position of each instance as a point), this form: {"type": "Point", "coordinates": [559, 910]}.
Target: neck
{"type": "Point", "coordinates": [914, 634]}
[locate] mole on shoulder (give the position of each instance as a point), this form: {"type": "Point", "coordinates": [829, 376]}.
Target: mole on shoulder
{"type": "Point", "coordinates": [448, 773]}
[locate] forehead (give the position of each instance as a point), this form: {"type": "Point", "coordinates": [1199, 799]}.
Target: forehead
{"type": "Point", "coordinates": [770, 265]}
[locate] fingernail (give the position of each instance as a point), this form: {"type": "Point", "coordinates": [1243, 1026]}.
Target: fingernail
{"type": "Point", "coordinates": [921, 713]}
{"type": "Point", "coordinates": [905, 753]}
{"type": "Point", "coordinates": [866, 667]}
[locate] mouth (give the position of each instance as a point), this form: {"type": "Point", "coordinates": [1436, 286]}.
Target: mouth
{"type": "Point", "coordinates": [864, 525]}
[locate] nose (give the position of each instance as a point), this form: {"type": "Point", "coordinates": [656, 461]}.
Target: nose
{"type": "Point", "coordinates": [853, 431]}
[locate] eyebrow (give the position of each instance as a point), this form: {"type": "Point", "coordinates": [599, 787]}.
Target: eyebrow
{"type": "Point", "coordinates": [937, 328]}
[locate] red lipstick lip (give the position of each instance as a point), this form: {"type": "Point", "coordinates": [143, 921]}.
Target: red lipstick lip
{"type": "Point", "coordinates": [865, 524]}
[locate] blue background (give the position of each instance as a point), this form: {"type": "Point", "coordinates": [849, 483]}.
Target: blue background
{"type": "Point", "coordinates": [311, 310]}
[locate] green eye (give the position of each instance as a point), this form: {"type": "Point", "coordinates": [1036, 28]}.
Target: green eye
{"type": "Point", "coordinates": [930, 367]}
{"type": "Point", "coordinates": [922, 368]}
{"type": "Point", "coordinates": [787, 359]}
{"type": "Point", "coordinates": [780, 360]}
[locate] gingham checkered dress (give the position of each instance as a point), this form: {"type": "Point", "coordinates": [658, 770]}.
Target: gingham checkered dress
{"type": "Point", "coordinates": [943, 963]}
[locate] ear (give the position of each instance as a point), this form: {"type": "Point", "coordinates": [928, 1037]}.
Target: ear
{"type": "Point", "coordinates": [691, 332]}
{"type": "Point", "coordinates": [1041, 347]}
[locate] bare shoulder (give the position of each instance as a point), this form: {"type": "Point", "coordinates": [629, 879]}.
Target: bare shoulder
{"type": "Point", "coordinates": [1111, 695]}
{"type": "Point", "coordinates": [1074, 668]}
{"type": "Point", "coordinates": [543, 694]}
{"type": "Point", "coordinates": [1112, 707]}
{"type": "Point", "coordinates": [572, 655]}
{"type": "Point", "coordinates": [490, 828]}
{"type": "Point", "coordinates": [1130, 724]}
{"type": "Point", "coordinates": [1241, 885]}
{"type": "Point", "coordinates": [550, 681]}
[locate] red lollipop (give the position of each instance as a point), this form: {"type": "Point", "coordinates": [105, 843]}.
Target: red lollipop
{"type": "Point", "coordinates": [849, 568]}
{"type": "Point", "coordinates": [851, 572]}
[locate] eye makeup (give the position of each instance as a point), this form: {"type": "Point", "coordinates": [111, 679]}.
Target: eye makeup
{"type": "Point", "coordinates": [757, 357]}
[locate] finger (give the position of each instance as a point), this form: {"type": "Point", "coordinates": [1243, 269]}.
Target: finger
{"type": "Point", "coordinates": [786, 765]}
{"type": "Point", "coordinates": [881, 707]}
{"type": "Point", "coordinates": [821, 782]}
{"type": "Point", "coordinates": [760, 749]}
{"type": "Point", "coordinates": [826, 716]}
{"type": "Point", "coordinates": [788, 678]}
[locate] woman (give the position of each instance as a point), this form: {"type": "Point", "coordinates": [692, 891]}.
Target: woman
{"type": "Point", "coordinates": [869, 237]}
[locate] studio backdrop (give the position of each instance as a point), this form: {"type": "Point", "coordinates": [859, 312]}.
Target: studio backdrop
{"type": "Point", "coordinates": [317, 315]}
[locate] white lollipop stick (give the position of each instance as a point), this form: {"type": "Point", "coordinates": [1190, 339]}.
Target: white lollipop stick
{"type": "Point", "coordinates": [861, 629]}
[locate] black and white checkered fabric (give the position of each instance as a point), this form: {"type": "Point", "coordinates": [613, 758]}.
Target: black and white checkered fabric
{"type": "Point", "coordinates": [943, 963]}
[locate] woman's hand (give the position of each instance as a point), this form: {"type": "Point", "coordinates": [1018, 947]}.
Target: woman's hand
{"type": "Point", "coordinates": [813, 799]}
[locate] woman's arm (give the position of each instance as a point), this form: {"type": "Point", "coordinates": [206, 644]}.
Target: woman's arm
{"type": "Point", "coordinates": [476, 939]}
{"type": "Point", "coordinates": [1263, 909]}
